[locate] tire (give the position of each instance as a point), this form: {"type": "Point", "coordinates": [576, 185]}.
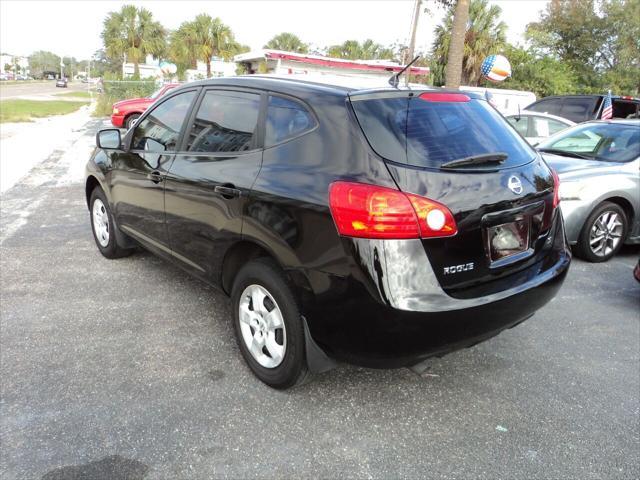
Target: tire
{"type": "Point", "coordinates": [612, 233]}
{"type": "Point", "coordinates": [102, 226]}
{"type": "Point", "coordinates": [130, 119]}
{"type": "Point", "coordinates": [282, 364]}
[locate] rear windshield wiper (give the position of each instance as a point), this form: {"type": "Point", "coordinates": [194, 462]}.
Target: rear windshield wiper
{"type": "Point", "coordinates": [555, 151]}
{"type": "Point", "coordinates": [496, 157]}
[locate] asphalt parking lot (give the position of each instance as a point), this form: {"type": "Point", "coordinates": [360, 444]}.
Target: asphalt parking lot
{"type": "Point", "coordinates": [128, 369]}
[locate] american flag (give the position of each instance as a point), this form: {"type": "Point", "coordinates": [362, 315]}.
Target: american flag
{"type": "Point", "coordinates": [607, 108]}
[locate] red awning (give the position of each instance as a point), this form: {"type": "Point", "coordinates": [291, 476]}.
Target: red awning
{"type": "Point", "coordinates": [349, 64]}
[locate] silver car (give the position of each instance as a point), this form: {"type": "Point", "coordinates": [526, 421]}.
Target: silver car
{"type": "Point", "coordinates": [536, 126]}
{"type": "Point", "coordinates": [598, 163]}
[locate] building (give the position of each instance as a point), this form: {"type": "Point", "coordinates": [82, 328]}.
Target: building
{"type": "Point", "coordinates": [151, 69]}
{"type": "Point", "coordinates": [282, 63]}
{"type": "Point", "coordinates": [19, 65]}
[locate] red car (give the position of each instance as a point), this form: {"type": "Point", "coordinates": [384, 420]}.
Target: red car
{"type": "Point", "coordinates": [125, 112]}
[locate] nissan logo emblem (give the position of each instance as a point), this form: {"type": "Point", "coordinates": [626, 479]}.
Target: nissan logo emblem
{"type": "Point", "coordinates": [515, 185]}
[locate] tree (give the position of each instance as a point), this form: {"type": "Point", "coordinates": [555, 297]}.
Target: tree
{"type": "Point", "coordinates": [101, 64]}
{"type": "Point", "coordinates": [43, 61]}
{"type": "Point", "coordinates": [455, 54]}
{"type": "Point", "coordinates": [287, 42]}
{"type": "Point", "coordinates": [599, 40]}
{"type": "Point", "coordinates": [202, 39]}
{"type": "Point", "coordinates": [132, 34]}
{"type": "Point", "coordinates": [543, 75]}
{"type": "Point", "coordinates": [70, 66]}
{"type": "Point", "coordinates": [367, 50]}
{"type": "Point", "coordinates": [485, 34]}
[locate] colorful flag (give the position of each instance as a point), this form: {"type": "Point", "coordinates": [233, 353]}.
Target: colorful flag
{"type": "Point", "coordinates": [607, 108]}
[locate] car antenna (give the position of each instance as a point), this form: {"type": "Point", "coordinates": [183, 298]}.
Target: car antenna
{"type": "Point", "coordinates": [395, 78]}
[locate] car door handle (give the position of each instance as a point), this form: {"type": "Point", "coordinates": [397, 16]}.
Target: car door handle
{"type": "Point", "coordinates": [227, 191]}
{"type": "Point", "coordinates": [155, 177]}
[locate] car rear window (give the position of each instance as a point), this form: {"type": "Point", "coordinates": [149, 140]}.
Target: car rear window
{"type": "Point", "coordinates": [429, 133]}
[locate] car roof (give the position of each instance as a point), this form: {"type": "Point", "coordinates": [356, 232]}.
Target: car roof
{"type": "Point", "coordinates": [619, 121]}
{"type": "Point", "coordinates": [317, 84]}
{"type": "Point", "coordinates": [532, 113]}
{"type": "Point", "coordinates": [588, 95]}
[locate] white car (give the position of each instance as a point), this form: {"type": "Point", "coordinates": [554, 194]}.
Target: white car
{"type": "Point", "coordinates": [536, 126]}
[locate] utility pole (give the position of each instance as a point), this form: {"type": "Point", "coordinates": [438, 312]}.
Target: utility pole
{"type": "Point", "coordinates": [412, 41]}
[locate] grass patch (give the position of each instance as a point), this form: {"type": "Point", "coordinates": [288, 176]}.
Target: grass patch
{"type": "Point", "coordinates": [17, 110]}
{"type": "Point", "coordinates": [20, 82]}
{"type": "Point", "coordinates": [82, 94]}
{"type": "Point", "coordinates": [103, 106]}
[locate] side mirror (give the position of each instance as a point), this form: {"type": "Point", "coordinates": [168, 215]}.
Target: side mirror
{"type": "Point", "coordinates": [108, 139]}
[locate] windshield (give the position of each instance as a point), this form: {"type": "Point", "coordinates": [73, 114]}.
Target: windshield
{"type": "Point", "coordinates": [157, 93]}
{"type": "Point", "coordinates": [434, 133]}
{"type": "Point", "coordinates": [609, 142]}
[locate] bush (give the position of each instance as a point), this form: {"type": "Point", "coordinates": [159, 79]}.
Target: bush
{"type": "Point", "coordinates": [116, 90]}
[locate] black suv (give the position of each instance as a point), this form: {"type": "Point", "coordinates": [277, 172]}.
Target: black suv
{"type": "Point", "coordinates": [379, 227]}
{"type": "Point", "coordinates": [580, 108]}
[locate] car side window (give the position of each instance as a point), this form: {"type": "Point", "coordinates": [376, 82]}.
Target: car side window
{"type": "Point", "coordinates": [286, 119]}
{"type": "Point", "coordinates": [545, 127]}
{"type": "Point", "coordinates": [226, 121]}
{"type": "Point", "coordinates": [577, 109]}
{"type": "Point", "coordinates": [161, 127]}
{"type": "Point", "coordinates": [549, 105]}
{"type": "Point", "coordinates": [520, 123]}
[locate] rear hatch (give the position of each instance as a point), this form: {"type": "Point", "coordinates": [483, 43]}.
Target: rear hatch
{"type": "Point", "coordinates": [501, 194]}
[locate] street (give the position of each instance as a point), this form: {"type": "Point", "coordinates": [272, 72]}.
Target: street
{"type": "Point", "coordinates": [37, 89]}
{"type": "Point", "coordinates": [129, 369]}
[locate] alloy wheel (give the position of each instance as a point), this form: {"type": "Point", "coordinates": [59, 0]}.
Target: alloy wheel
{"type": "Point", "coordinates": [606, 233]}
{"type": "Point", "coordinates": [262, 326]}
{"type": "Point", "coordinates": [100, 222]}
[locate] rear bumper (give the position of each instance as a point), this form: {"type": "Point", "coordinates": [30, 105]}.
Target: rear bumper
{"type": "Point", "coordinates": [401, 316]}
{"type": "Point", "coordinates": [117, 121]}
{"type": "Point", "coordinates": [375, 336]}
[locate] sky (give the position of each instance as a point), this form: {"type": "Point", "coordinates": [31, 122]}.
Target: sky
{"type": "Point", "coordinates": [72, 27]}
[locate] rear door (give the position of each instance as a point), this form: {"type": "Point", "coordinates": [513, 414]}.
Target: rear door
{"type": "Point", "coordinates": [137, 178]}
{"type": "Point", "coordinates": [208, 185]}
{"type": "Point", "coordinates": [503, 210]}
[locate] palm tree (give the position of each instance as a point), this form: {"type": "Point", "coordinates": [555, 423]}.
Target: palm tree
{"type": "Point", "coordinates": [208, 37]}
{"type": "Point", "coordinates": [484, 34]}
{"type": "Point", "coordinates": [353, 50]}
{"type": "Point", "coordinates": [456, 47]}
{"type": "Point", "coordinates": [133, 34]}
{"type": "Point", "coordinates": [287, 42]}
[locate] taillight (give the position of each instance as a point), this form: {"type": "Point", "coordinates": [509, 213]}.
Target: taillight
{"type": "Point", "coordinates": [556, 188]}
{"type": "Point", "coordinates": [368, 211]}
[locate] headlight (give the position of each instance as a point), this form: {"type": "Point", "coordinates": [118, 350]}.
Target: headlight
{"type": "Point", "coordinates": [115, 111]}
{"type": "Point", "coordinates": [570, 190]}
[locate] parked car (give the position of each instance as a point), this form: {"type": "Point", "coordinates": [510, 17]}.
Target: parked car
{"type": "Point", "coordinates": [636, 271]}
{"type": "Point", "coordinates": [507, 102]}
{"type": "Point", "coordinates": [126, 112]}
{"type": "Point", "coordinates": [598, 164]}
{"type": "Point", "coordinates": [535, 127]}
{"type": "Point", "coordinates": [61, 82]}
{"type": "Point", "coordinates": [379, 227]}
{"type": "Point", "coordinates": [580, 108]}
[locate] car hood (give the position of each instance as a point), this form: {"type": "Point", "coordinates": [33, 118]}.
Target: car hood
{"type": "Point", "coordinates": [145, 102]}
{"type": "Point", "coordinates": [565, 165]}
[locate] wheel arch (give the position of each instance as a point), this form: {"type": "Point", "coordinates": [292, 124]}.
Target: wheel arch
{"type": "Point", "coordinates": [91, 183]}
{"type": "Point", "coordinates": [128, 115]}
{"type": "Point", "coordinates": [246, 250]}
{"type": "Point", "coordinates": [623, 203]}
